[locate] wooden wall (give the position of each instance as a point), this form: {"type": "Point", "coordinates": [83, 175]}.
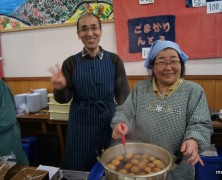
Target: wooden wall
{"type": "Point", "coordinates": [212, 85]}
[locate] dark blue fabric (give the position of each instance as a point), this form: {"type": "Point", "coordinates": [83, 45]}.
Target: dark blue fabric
{"type": "Point", "coordinates": [91, 111]}
{"type": "Point", "coordinates": [144, 31]}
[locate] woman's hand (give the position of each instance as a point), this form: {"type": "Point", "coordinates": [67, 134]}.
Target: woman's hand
{"type": "Point", "coordinates": [190, 148]}
{"type": "Point", "coordinates": [119, 130]}
{"type": "Point", "coordinates": [58, 79]}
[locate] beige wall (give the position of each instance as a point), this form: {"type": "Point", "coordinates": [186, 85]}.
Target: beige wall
{"type": "Point", "coordinates": [31, 53]}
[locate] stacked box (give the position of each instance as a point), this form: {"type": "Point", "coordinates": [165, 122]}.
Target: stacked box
{"type": "Point", "coordinates": [58, 111]}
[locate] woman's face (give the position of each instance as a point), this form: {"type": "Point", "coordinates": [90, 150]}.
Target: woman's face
{"type": "Point", "coordinates": [167, 67]}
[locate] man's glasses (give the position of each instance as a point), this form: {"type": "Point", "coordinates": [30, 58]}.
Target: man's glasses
{"type": "Point", "coordinates": [162, 64]}
{"type": "Point", "coordinates": [86, 29]}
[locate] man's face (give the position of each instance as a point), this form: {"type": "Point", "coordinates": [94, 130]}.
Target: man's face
{"type": "Point", "coordinates": [89, 32]}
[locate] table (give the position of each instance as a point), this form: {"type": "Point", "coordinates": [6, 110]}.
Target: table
{"type": "Point", "coordinates": [44, 120]}
{"type": "Point", "coordinates": [217, 124]}
{"type": "Point", "coordinates": [59, 124]}
{"type": "Point", "coordinates": [37, 118]}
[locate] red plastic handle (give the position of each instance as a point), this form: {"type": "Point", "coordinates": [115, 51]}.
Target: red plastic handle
{"type": "Point", "coordinates": [123, 136]}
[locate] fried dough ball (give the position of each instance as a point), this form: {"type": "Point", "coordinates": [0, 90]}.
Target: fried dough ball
{"type": "Point", "coordinates": [142, 173]}
{"type": "Point", "coordinates": [151, 165]}
{"type": "Point", "coordinates": [137, 156]}
{"type": "Point", "coordinates": [115, 162]}
{"type": "Point", "coordinates": [151, 158]}
{"type": "Point", "coordinates": [145, 160]}
{"type": "Point", "coordinates": [144, 156]}
{"type": "Point", "coordinates": [134, 169]}
{"type": "Point", "coordinates": [119, 157]}
{"type": "Point", "coordinates": [142, 164]}
{"type": "Point", "coordinates": [156, 169]}
{"type": "Point", "coordinates": [111, 166]}
{"type": "Point", "coordinates": [128, 165]}
{"type": "Point", "coordinates": [131, 174]}
{"type": "Point", "coordinates": [129, 155]}
{"type": "Point", "coordinates": [147, 169]}
{"type": "Point", "coordinates": [159, 163]}
{"type": "Point", "coordinates": [123, 171]}
{"type": "Point", "coordinates": [135, 161]}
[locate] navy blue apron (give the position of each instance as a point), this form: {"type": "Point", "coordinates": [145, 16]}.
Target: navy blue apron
{"type": "Point", "coordinates": [91, 111]}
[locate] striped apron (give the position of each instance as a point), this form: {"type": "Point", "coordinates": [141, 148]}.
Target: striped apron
{"type": "Point", "coordinates": [91, 111]}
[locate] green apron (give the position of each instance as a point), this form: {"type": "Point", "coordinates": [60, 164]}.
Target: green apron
{"type": "Point", "coordinates": [10, 137]}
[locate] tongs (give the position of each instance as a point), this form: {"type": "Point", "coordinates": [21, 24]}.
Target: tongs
{"type": "Point", "coordinates": [123, 141]}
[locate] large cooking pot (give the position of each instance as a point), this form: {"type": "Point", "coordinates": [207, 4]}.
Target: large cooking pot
{"type": "Point", "coordinates": [150, 149]}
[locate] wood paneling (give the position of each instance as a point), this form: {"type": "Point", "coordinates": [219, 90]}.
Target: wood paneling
{"type": "Point", "coordinates": [218, 94]}
{"type": "Point", "coordinates": [212, 85]}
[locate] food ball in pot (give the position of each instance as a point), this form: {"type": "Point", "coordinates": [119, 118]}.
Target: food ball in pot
{"type": "Point", "coordinates": [115, 162]}
{"type": "Point", "coordinates": [142, 164]}
{"type": "Point", "coordinates": [159, 163]}
{"type": "Point", "coordinates": [119, 157]}
{"type": "Point", "coordinates": [111, 166]}
{"type": "Point", "coordinates": [137, 156]}
{"type": "Point", "coordinates": [135, 161]}
{"type": "Point", "coordinates": [145, 160]}
{"type": "Point", "coordinates": [151, 165]}
{"type": "Point", "coordinates": [134, 169]}
{"type": "Point", "coordinates": [147, 169]}
{"type": "Point", "coordinates": [132, 174]}
{"type": "Point", "coordinates": [129, 155]}
{"type": "Point", "coordinates": [142, 173]}
{"type": "Point", "coordinates": [144, 156]}
{"type": "Point", "coordinates": [151, 158]}
{"type": "Point", "coordinates": [156, 169]}
{"type": "Point", "coordinates": [128, 165]}
{"type": "Point", "coordinates": [123, 171]}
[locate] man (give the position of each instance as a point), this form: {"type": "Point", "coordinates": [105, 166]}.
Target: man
{"type": "Point", "coordinates": [93, 78]}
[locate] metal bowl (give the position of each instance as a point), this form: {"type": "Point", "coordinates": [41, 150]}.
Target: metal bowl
{"type": "Point", "coordinates": [150, 149]}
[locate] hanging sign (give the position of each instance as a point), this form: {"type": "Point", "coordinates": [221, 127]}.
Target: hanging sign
{"type": "Point", "coordinates": [214, 7]}
{"type": "Point", "coordinates": [198, 3]}
{"type": "Point", "coordinates": [146, 1]}
{"type": "Point", "coordinates": [144, 31]}
{"type": "Point", "coordinates": [145, 52]}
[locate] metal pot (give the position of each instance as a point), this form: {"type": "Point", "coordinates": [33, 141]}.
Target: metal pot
{"type": "Point", "coordinates": [150, 149]}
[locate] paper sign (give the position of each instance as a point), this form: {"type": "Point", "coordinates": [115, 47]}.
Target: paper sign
{"type": "Point", "coordinates": [198, 3]}
{"type": "Point", "coordinates": [146, 1]}
{"type": "Point", "coordinates": [145, 52]}
{"type": "Point", "coordinates": [144, 31]}
{"type": "Point", "coordinates": [214, 7]}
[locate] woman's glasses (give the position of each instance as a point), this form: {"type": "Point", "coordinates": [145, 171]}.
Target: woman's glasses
{"type": "Point", "coordinates": [162, 64]}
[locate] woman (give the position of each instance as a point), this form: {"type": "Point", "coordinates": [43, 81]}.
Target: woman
{"type": "Point", "coordinates": [167, 110]}
{"type": "Point", "coordinates": [10, 137]}
{"type": "Point", "coordinates": [94, 78]}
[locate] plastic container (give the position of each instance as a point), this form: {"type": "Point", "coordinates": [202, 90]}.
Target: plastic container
{"type": "Point", "coordinates": [59, 107]}
{"type": "Point", "coordinates": [52, 100]}
{"type": "Point", "coordinates": [28, 145]}
{"type": "Point", "coordinates": [212, 168]}
{"type": "Point", "coordinates": [97, 172]}
{"type": "Point", "coordinates": [70, 174]}
{"type": "Point", "coordinates": [63, 116]}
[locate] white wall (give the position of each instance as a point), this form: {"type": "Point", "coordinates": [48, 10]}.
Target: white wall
{"type": "Point", "coordinates": [31, 53]}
